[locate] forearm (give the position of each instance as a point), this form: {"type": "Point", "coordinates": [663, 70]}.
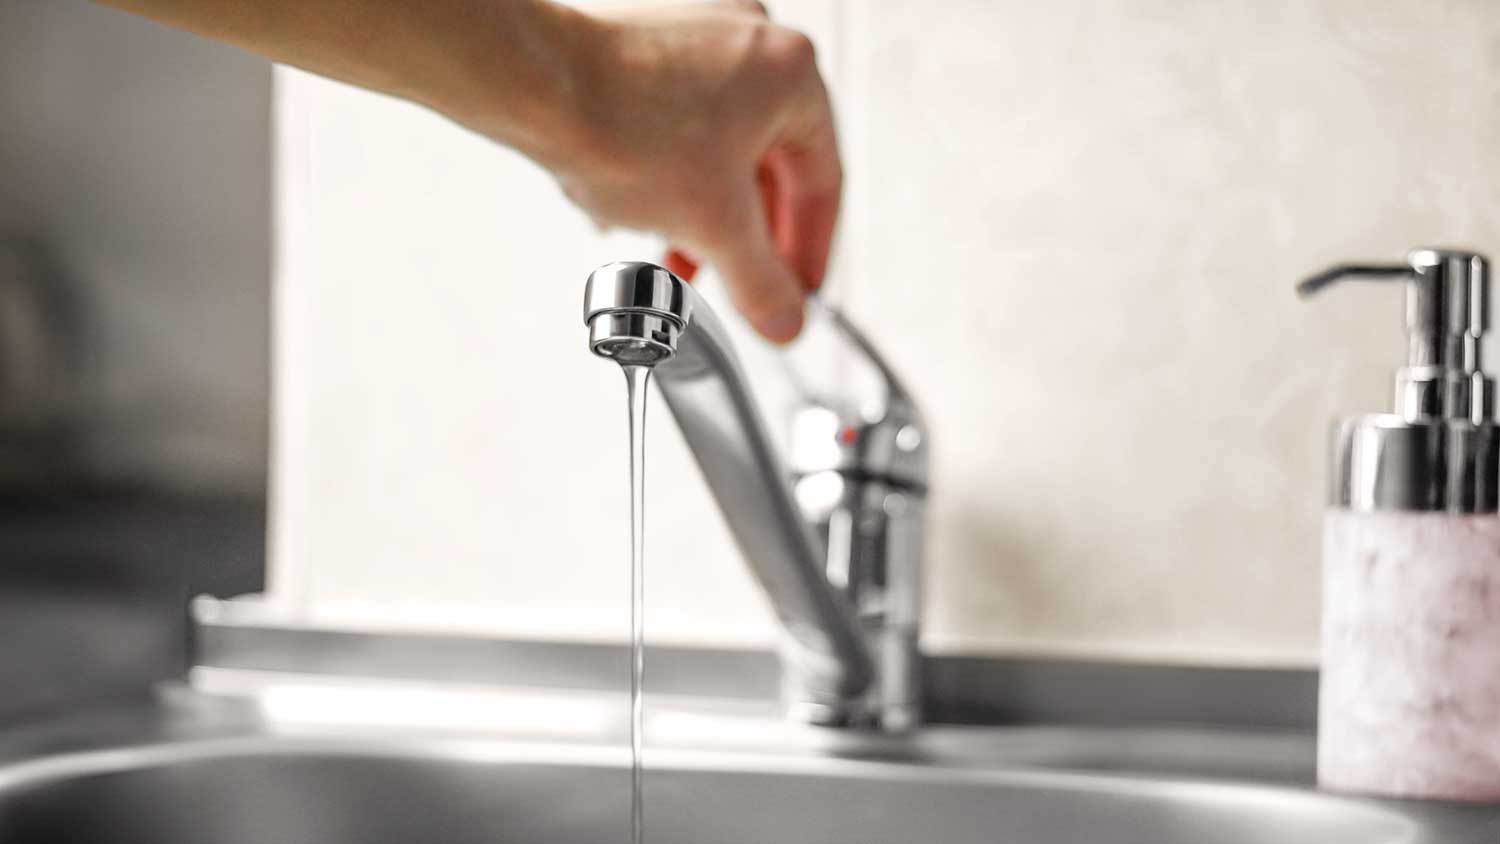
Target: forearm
{"type": "Point", "coordinates": [510, 69]}
{"type": "Point", "coordinates": [702, 122]}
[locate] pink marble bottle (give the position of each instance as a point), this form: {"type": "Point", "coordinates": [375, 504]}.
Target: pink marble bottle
{"type": "Point", "coordinates": [1410, 688]}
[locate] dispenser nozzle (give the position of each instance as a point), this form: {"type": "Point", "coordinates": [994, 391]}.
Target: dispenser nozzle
{"type": "Point", "coordinates": [1346, 272]}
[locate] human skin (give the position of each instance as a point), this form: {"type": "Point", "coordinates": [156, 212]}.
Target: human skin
{"type": "Point", "coordinates": [705, 123]}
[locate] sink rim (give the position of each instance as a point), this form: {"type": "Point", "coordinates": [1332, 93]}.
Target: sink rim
{"type": "Point", "coordinates": [184, 724]}
{"type": "Point", "coordinates": [38, 772]}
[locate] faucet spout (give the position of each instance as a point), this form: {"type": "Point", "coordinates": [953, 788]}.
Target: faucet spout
{"type": "Point", "coordinates": [640, 314]}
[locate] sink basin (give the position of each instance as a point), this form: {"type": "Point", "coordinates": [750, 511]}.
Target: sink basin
{"type": "Point", "coordinates": [310, 790]}
{"type": "Point", "coordinates": [289, 760]}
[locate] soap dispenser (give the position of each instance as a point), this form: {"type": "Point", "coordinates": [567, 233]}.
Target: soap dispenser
{"type": "Point", "coordinates": [1410, 678]}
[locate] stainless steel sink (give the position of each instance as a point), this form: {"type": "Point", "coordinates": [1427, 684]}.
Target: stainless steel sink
{"type": "Point", "coordinates": [333, 762]}
{"type": "Point", "coordinates": [265, 791]}
{"type": "Point", "coordinates": [229, 774]}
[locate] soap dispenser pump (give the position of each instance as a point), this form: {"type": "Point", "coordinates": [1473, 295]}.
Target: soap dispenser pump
{"type": "Point", "coordinates": [1409, 701]}
{"type": "Point", "coordinates": [1437, 451]}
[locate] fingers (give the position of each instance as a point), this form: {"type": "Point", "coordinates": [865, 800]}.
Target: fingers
{"type": "Point", "coordinates": [754, 269]}
{"type": "Point", "coordinates": [803, 206]}
{"type": "Point", "coordinates": [760, 284]}
{"type": "Point", "coordinates": [805, 174]}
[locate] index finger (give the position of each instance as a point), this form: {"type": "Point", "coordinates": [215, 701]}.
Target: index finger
{"type": "Point", "coordinates": [807, 178]}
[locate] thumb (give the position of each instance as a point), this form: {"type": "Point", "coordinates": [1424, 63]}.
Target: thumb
{"type": "Point", "coordinates": [760, 285]}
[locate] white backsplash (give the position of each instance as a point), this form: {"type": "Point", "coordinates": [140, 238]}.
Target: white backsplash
{"type": "Point", "coordinates": [1074, 226]}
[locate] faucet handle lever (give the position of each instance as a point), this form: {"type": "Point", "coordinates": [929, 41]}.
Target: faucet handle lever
{"type": "Point", "coordinates": [855, 414]}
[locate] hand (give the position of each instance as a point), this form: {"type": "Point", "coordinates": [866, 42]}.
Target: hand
{"type": "Point", "coordinates": [704, 123]}
{"type": "Point", "coordinates": [711, 126]}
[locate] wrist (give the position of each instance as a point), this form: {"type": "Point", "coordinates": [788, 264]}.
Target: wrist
{"type": "Point", "coordinates": [527, 78]}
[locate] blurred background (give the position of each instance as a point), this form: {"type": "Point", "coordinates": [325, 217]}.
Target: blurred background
{"type": "Point", "coordinates": [135, 256]}
{"type": "Point", "coordinates": [1073, 227]}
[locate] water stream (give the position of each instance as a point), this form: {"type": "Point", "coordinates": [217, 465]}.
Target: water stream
{"type": "Point", "coordinates": [636, 378]}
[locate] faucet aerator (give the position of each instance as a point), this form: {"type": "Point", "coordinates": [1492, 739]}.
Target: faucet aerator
{"type": "Point", "coordinates": [633, 338]}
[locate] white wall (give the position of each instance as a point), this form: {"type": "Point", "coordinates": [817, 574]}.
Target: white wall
{"type": "Point", "coordinates": [1075, 226]}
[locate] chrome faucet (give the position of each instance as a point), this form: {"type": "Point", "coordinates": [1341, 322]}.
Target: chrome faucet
{"type": "Point", "coordinates": [835, 539]}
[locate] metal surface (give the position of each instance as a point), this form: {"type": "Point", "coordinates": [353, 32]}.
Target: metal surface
{"type": "Point", "coordinates": [263, 773]}
{"type": "Point", "coordinates": [246, 792]}
{"type": "Point", "coordinates": [1384, 462]}
{"type": "Point", "coordinates": [1440, 449]}
{"type": "Point", "coordinates": [94, 589]}
{"type": "Point", "coordinates": [640, 313]}
{"type": "Point", "coordinates": [241, 635]}
{"type": "Point", "coordinates": [859, 456]}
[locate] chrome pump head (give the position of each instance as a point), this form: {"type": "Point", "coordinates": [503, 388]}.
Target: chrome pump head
{"type": "Point", "coordinates": [1447, 312]}
{"type": "Point", "coordinates": [1438, 450]}
{"type": "Point", "coordinates": [635, 313]}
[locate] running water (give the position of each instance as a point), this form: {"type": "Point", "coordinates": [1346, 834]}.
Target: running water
{"type": "Point", "coordinates": [636, 378]}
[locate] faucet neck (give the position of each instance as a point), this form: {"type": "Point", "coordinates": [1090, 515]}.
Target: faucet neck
{"type": "Point", "coordinates": [701, 381]}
